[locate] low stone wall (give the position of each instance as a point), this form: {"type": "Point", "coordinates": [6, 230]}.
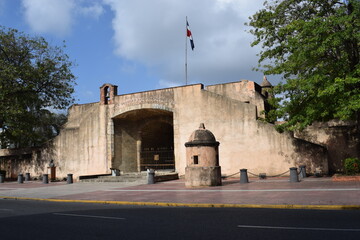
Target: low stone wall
{"type": "Point", "coordinates": [341, 139]}
{"type": "Point", "coordinates": [21, 161]}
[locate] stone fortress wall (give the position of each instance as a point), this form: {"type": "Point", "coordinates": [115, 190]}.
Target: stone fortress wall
{"type": "Point", "coordinates": [114, 132]}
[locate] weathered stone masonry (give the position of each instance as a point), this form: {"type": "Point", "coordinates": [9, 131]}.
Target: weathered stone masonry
{"type": "Point", "coordinates": [132, 132]}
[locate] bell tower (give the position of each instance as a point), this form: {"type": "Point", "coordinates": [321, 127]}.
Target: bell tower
{"type": "Point", "coordinates": [107, 93]}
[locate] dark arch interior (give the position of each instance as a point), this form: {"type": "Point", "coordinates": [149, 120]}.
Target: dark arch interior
{"type": "Point", "coordinates": [157, 151]}
{"type": "Point", "coordinates": [144, 139]}
{"type": "Point", "coordinates": [157, 136]}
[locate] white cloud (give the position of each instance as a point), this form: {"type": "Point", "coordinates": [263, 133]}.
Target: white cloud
{"type": "Point", "coordinates": [94, 11]}
{"type": "Point", "coordinates": [53, 16]}
{"type": "Point", "coordinates": [58, 16]}
{"type": "Point", "coordinates": [153, 33]}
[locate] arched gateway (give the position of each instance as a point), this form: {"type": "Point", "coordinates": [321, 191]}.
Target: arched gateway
{"type": "Point", "coordinates": [143, 138]}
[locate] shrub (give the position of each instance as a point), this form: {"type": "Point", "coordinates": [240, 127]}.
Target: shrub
{"type": "Point", "coordinates": [351, 166]}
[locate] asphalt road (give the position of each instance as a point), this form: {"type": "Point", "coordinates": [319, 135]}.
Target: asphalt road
{"type": "Point", "coordinates": [21, 219]}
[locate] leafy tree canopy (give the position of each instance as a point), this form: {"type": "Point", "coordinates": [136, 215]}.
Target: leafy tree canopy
{"type": "Point", "coordinates": [315, 45]}
{"type": "Point", "coordinates": [34, 77]}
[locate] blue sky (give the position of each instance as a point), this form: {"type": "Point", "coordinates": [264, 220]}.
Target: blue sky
{"type": "Point", "coordinates": [139, 45]}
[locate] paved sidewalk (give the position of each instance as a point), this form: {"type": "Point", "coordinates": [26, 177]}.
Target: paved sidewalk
{"type": "Point", "coordinates": [321, 193]}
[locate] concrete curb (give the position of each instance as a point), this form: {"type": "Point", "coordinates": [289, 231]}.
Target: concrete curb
{"type": "Point", "coordinates": [197, 205]}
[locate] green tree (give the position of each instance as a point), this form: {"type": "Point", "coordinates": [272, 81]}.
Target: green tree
{"type": "Point", "coordinates": [34, 77]}
{"type": "Point", "coordinates": [314, 45]}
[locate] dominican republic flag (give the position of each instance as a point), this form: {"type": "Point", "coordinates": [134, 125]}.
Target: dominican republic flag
{"type": "Point", "coordinates": [189, 35]}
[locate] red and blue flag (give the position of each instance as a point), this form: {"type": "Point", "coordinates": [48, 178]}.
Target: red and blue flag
{"type": "Point", "coordinates": [189, 35]}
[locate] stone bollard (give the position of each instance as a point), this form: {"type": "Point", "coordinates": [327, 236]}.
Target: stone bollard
{"type": "Point", "coordinates": [20, 178]}
{"type": "Point", "coordinates": [2, 178]}
{"type": "Point", "coordinates": [45, 178]}
{"type": "Point", "coordinates": [27, 176]}
{"type": "Point", "coordinates": [294, 175]}
{"type": "Point", "coordinates": [69, 179]}
{"type": "Point", "coordinates": [243, 176]}
{"type": "Point", "coordinates": [302, 171]}
{"type": "Point", "coordinates": [151, 176]}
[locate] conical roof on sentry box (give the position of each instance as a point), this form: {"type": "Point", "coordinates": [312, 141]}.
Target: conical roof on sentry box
{"type": "Point", "coordinates": [202, 137]}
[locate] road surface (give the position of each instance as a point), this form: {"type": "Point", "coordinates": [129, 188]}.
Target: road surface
{"type": "Point", "coordinates": [20, 219]}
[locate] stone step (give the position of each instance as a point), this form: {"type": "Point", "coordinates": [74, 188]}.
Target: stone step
{"type": "Point", "coordinates": [124, 178]}
{"type": "Point", "coordinates": [133, 177]}
{"type": "Point", "coordinates": [115, 179]}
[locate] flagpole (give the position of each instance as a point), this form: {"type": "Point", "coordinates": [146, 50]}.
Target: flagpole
{"type": "Point", "coordinates": [186, 39]}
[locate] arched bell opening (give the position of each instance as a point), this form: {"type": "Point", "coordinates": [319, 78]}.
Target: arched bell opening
{"type": "Point", "coordinates": [107, 94]}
